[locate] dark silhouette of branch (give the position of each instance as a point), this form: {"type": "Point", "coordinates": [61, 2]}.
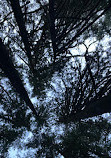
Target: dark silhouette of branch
{"type": "Point", "coordinates": [7, 66]}
{"type": "Point", "coordinates": [52, 27]}
{"type": "Point", "coordinates": [23, 32]}
{"type": "Point", "coordinates": [6, 93]}
{"type": "Point", "coordinates": [83, 29]}
{"type": "Point", "coordinates": [7, 16]}
{"type": "Point", "coordinates": [96, 108]}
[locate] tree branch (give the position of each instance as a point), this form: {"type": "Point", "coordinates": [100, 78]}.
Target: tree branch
{"type": "Point", "coordinates": [23, 32]}
{"type": "Point", "coordinates": [96, 108]}
{"type": "Point", "coordinates": [7, 66]}
{"type": "Point", "coordinates": [52, 26]}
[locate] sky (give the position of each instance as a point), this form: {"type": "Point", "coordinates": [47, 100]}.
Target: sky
{"type": "Point", "coordinates": [17, 153]}
{"type": "Point", "coordinates": [14, 152]}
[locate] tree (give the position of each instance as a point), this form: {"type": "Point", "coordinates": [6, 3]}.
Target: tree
{"type": "Point", "coordinates": [35, 52]}
{"type": "Point", "coordinates": [86, 139]}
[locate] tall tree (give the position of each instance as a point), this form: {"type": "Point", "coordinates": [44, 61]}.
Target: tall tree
{"type": "Point", "coordinates": [38, 60]}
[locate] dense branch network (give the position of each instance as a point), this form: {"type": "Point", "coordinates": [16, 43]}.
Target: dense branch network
{"type": "Point", "coordinates": [58, 29]}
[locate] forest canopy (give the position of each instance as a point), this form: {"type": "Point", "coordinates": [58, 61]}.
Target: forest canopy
{"type": "Point", "coordinates": [55, 75]}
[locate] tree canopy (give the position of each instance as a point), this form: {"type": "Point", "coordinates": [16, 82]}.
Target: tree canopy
{"type": "Point", "coordinates": [49, 75]}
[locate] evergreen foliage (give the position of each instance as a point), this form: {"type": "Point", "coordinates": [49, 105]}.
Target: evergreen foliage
{"type": "Point", "coordinates": [50, 79]}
